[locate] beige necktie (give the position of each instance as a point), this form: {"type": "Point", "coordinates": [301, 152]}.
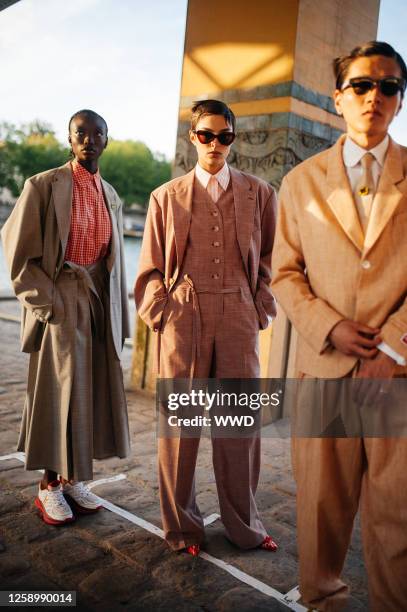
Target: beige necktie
{"type": "Point", "coordinates": [364, 191]}
{"type": "Point", "coordinates": [213, 188]}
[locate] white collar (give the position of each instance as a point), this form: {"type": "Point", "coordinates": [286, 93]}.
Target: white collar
{"type": "Point", "coordinates": [222, 176]}
{"type": "Point", "coordinates": [353, 153]}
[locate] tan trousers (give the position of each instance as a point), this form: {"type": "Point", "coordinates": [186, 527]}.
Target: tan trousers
{"type": "Point", "coordinates": [75, 407]}
{"type": "Point", "coordinates": [332, 475]}
{"type": "Point", "coordinates": [228, 348]}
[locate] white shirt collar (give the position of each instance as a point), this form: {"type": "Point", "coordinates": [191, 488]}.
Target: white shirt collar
{"type": "Point", "coordinates": [222, 176]}
{"type": "Point", "coordinates": [353, 153]}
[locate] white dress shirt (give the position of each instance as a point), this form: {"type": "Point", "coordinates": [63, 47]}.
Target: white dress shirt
{"type": "Point", "coordinates": [222, 180]}
{"type": "Point", "coordinates": [352, 155]}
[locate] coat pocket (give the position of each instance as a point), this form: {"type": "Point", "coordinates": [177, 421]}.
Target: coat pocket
{"type": "Point", "coordinates": [58, 308]}
{"type": "Point", "coordinates": [32, 331]}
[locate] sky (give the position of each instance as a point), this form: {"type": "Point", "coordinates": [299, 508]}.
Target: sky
{"type": "Point", "coordinates": [122, 58]}
{"type": "Point", "coordinates": [392, 29]}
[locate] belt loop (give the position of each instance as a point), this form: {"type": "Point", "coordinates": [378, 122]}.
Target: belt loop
{"type": "Point", "coordinates": [241, 294]}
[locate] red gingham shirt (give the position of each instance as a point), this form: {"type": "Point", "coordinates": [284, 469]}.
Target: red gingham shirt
{"type": "Point", "coordinates": [91, 230]}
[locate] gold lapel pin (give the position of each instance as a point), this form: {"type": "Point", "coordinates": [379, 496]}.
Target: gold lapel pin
{"type": "Point", "coordinates": [364, 191]}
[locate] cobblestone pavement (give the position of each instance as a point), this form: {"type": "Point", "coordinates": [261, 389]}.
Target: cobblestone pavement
{"type": "Point", "coordinates": [116, 565]}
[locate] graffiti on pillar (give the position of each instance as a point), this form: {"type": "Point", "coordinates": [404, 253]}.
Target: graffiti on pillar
{"type": "Point", "coordinates": [266, 153]}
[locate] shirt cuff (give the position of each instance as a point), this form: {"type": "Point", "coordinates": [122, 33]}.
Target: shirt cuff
{"type": "Point", "coordinates": [385, 348]}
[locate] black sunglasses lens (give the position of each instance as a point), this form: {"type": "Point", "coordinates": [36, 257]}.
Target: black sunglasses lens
{"type": "Point", "coordinates": [362, 87]}
{"type": "Point", "coordinates": [205, 137]}
{"type": "Point", "coordinates": [226, 138]}
{"type": "Point", "coordinates": [389, 88]}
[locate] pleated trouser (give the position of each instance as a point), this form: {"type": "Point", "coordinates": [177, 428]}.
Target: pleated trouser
{"type": "Point", "coordinates": [335, 477]}
{"type": "Point", "coordinates": [75, 407]}
{"type": "Point", "coordinates": [228, 348]}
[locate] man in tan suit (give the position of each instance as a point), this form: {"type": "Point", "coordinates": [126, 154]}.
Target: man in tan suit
{"type": "Point", "coordinates": [340, 273]}
{"type": "Point", "coordinates": [203, 286]}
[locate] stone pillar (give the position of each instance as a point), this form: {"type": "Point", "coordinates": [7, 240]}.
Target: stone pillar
{"type": "Point", "coordinates": [271, 62]}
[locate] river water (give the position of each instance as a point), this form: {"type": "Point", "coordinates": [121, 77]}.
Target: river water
{"type": "Point", "coordinates": [131, 253]}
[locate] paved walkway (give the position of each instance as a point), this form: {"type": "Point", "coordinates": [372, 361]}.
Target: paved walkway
{"type": "Point", "coordinates": [117, 560]}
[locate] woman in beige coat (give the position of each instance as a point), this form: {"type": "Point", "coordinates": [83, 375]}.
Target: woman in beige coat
{"type": "Point", "coordinates": [64, 247]}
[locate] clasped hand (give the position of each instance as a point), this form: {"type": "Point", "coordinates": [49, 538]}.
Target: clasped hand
{"type": "Point", "coordinates": [375, 367]}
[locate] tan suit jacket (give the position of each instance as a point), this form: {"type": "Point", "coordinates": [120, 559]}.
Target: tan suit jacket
{"type": "Point", "coordinates": [323, 269]}
{"type": "Point", "coordinates": [35, 238]}
{"type": "Point", "coordinates": [166, 234]}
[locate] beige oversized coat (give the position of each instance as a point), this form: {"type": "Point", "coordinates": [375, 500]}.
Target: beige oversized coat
{"type": "Point", "coordinates": [34, 239]}
{"type": "Point", "coordinates": [324, 272]}
{"type": "Point", "coordinates": [166, 234]}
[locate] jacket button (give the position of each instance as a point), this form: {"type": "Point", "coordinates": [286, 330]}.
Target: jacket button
{"type": "Point", "coordinates": [216, 260]}
{"type": "Point", "coordinates": [215, 276]}
{"type": "Point", "coordinates": [366, 264]}
{"type": "Point", "coordinates": [216, 244]}
{"type": "Point", "coordinates": [215, 228]}
{"type": "Point", "coordinates": [215, 213]}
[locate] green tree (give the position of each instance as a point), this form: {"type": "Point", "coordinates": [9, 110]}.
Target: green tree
{"type": "Point", "coordinates": [133, 170]}
{"type": "Point", "coordinates": [27, 150]}
{"type": "Point", "coordinates": [129, 165]}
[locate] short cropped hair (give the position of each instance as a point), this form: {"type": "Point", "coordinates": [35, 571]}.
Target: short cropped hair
{"type": "Point", "coordinates": [211, 107]}
{"type": "Point", "coordinates": [374, 47]}
{"type": "Point", "coordinates": [88, 113]}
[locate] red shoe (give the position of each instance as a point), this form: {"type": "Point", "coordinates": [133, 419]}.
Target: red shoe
{"type": "Point", "coordinates": [193, 550]}
{"type": "Point", "coordinates": [52, 505]}
{"type": "Point", "coordinates": [269, 544]}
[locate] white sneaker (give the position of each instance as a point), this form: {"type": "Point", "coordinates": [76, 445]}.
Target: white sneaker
{"type": "Point", "coordinates": [80, 498]}
{"type": "Point", "coordinates": [52, 505]}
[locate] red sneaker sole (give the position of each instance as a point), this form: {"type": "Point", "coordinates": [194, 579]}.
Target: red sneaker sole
{"type": "Point", "coordinates": [48, 519]}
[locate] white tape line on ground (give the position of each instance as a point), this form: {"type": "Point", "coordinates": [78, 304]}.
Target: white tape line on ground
{"type": "Point", "coordinates": [249, 580]}
{"type": "Point", "coordinates": [133, 518]}
{"type": "Point", "coordinates": [18, 456]}
{"type": "Point", "coordinates": [102, 481]}
{"type": "Point", "coordinates": [230, 569]}
{"type": "Point", "coordinates": [211, 519]}
{"type": "Point", "coordinates": [293, 594]}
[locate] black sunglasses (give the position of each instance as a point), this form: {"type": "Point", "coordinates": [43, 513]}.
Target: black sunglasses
{"type": "Point", "coordinates": [205, 137]}
{"type": "Point", "coordinates": [389, 86]}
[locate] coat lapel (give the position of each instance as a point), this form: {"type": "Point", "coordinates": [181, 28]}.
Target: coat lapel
{"type": "Point", "coordinates": [181, 206]}
{"type": "Point", "coordinates": [111, 204]}
{"type": "Point", "coordinates": [340, 198]}
{"type": "Point", "coordinates": [245, 203]}
{"type": "Point", "coordinates": [388, 195]}
{"type": "Point", "coordinates": [62, 196]}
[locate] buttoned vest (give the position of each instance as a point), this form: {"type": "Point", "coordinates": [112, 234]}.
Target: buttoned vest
{"type": "Point", "coordinates": [212, 257]}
